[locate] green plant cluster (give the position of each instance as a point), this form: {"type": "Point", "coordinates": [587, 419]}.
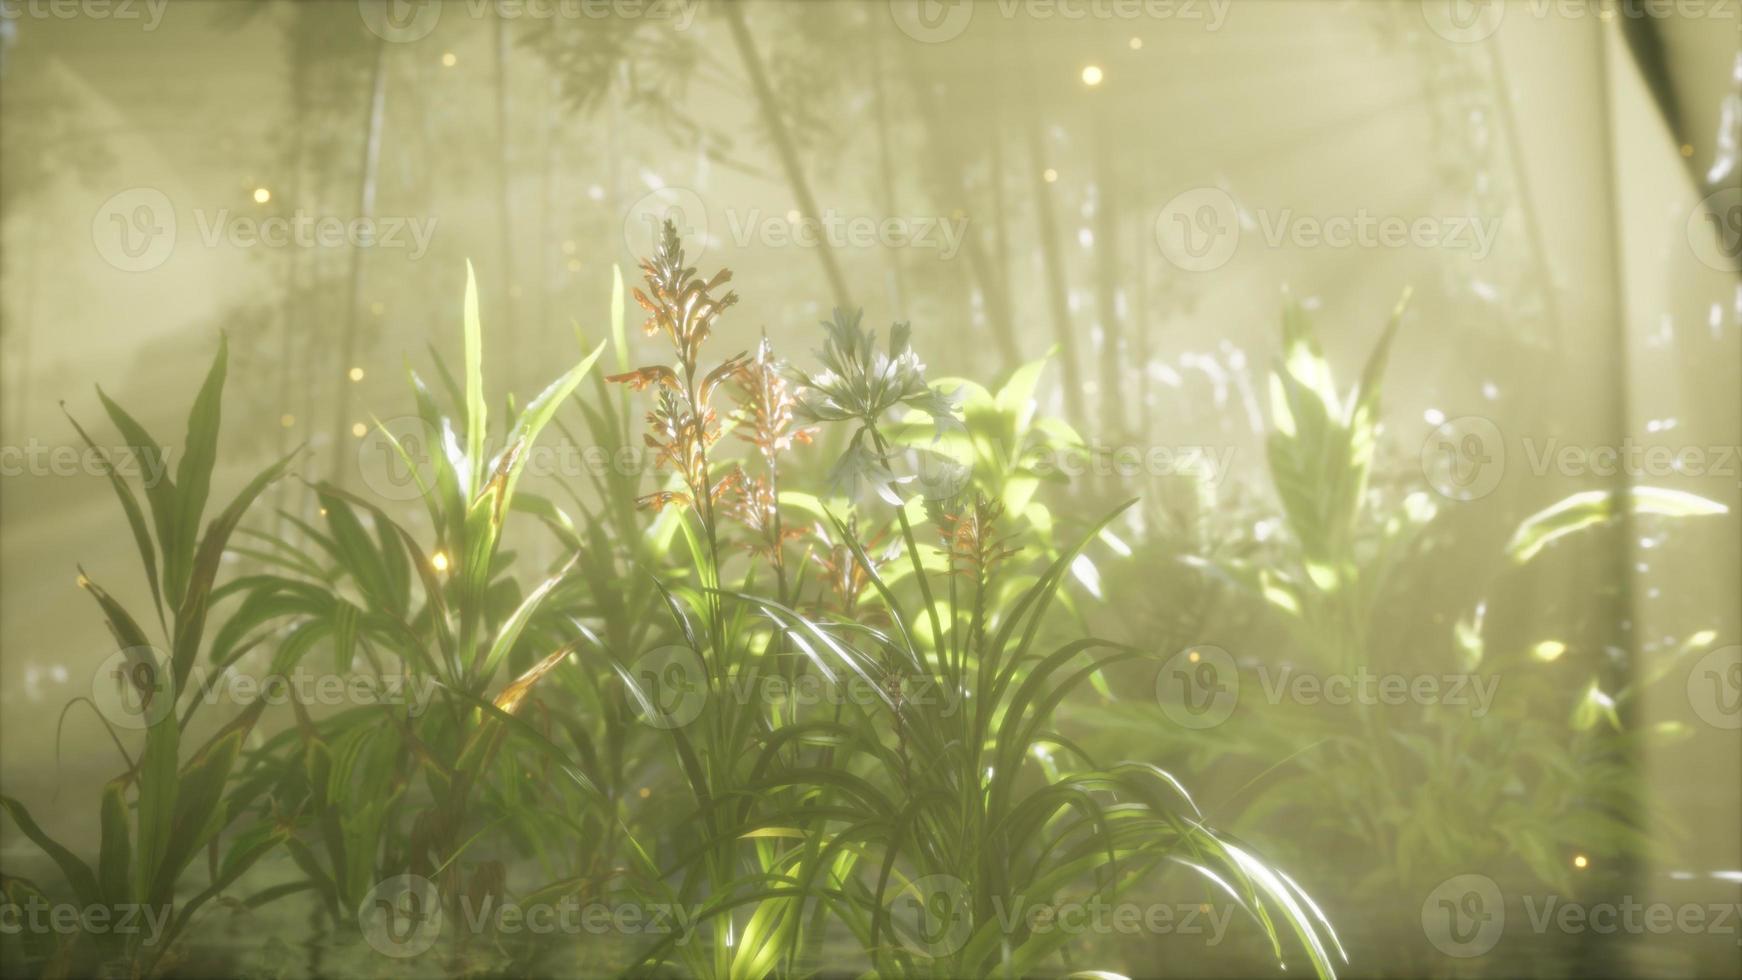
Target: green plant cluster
{"type": "Point", "coordinates": [623, 724]}
{"type": "Point", "coordinates": [1530, 787]}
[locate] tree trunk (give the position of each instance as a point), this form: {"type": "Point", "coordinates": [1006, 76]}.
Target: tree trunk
{"type": "Point", "coordinates": [807, 204]}
{"type": "Point", "coordinates": [1046, 228]}
{"type": "Point", "coordinates": [1107, 270]}
{"type": "Point", "coordinates": [505, 211]}
{"type": "Point", "coordinates": [365, 211]}
{"type": "Point", "coordinates": [886, 175]}
{"type": "Point", "coordinates": [945, 160]}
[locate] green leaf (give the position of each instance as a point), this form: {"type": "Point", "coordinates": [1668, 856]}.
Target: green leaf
{"type": "Point", "coordinates": [77, 872]}
{"type": "Point", "coordinates": [533, 420]}
{"type": "Point", "coordinates": [1593, 507]}
{"type": "Point", "coordinates": [1321, 452]}
{"type": "Point", "coordinates": [158, 784]}
{"type": "Point", "coordinates": [555, 518]}
{"type": "Point", "coordinates": [473, 569]}
{"type": "Point", "coordinates": [511, 630]}
{"type": "Point", "coordinates": [159, 493]}
{"type": "Point", "coordinates": [121, 623]}
{"type": "Point", "coordinates": [193, 475]}
{"type": "Point", "coordinates": [37, 945]}
{"type": "Point", "coordinates": [1016, 398]}
{"type": "Point", "coordinates": [356, 550]}
{"type": "Point", "coordinates": [135, 517]}
{"type": "Point", "coordinates": [199, 808]}
{"type": "Point", "coordinates": [476, 412]}
{"type": "Point", "coordinates": [619, 331]}
{"type": "Point", "coordinates": [452, 471]}
{"type": "Point", "coordinates": [190, 618]}
{"type": "Point", "coordinates": [250, 846]}
{"type": "Point", "coordinates": [344, 635]}
{"type": "Point", "coordinates": [115, 860]}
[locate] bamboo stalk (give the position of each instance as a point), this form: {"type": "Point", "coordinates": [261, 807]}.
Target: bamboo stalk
{"type": "Point", "coordinates": [365, 211]}
{"type": "Point", "coordinates": [783, 145]}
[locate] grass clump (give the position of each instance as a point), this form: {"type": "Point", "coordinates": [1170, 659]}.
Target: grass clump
{"type": "Point", "coordinates": [812, 719]}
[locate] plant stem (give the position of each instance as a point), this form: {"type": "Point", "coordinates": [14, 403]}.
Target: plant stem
{"type": "Point", "coordinates": [931, 610]}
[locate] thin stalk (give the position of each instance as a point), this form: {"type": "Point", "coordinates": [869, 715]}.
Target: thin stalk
{"type": "Point", "coordinates": [365, 212]}
{"type": "Point", "coordinates": [1107, 269]}
{"type": "Point", "coordinates": [1052, 264]}
{"type": "Point", "coordinates": [783, 145]}
{"type": "Point", "coordinates": [946, 161]}
{"type": "Point", "coordinates": [505, 214]}
{"type": "Point", "coordinates": [886, 174]}
{"type": "Point", "coordinates": [925, 592]}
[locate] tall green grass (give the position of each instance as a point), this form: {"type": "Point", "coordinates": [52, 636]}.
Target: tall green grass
{"type": "Point", "coordinates": [625, 724]}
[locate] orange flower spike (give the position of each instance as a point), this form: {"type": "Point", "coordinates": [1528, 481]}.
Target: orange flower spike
{"type": "Point", "coordinates": [640, 378]}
